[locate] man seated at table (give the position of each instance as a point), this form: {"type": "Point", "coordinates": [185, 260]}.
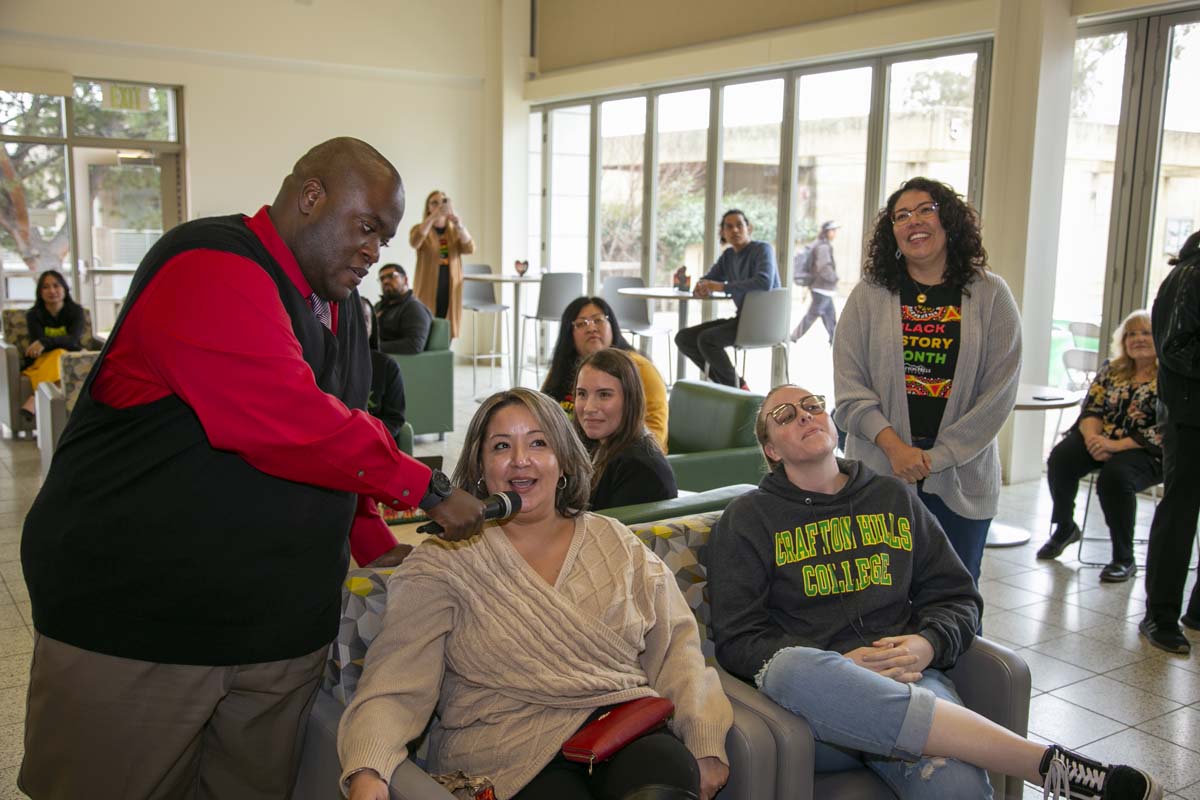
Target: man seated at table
{"type": "Point", "coordinates": [404, 320]}
{"type": "Point", "coordinates": [745, 266]}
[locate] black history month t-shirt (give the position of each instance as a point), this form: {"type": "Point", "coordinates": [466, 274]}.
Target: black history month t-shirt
{"type": "Point", "coordinates": [931, 338]}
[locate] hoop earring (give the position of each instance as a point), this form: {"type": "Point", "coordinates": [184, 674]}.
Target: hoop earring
{"type": "Point", "coordinates": [562, 482]}
{"type": "Point", "coordinates": [479, 484]}
{"type": "Point", "coordinates": [898, 254]}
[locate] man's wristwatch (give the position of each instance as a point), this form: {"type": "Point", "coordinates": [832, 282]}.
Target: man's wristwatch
{"type": "Point", "coordinates": [439, 489]}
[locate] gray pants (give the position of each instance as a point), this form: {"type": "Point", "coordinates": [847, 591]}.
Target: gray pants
{"type": "Point", "coordinates": [821, 308]}
{"type": "Point", "coordinates": [101, 727]}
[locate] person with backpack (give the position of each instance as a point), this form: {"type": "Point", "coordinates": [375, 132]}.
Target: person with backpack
{"type": "Point", "coordinates": [814, 268]}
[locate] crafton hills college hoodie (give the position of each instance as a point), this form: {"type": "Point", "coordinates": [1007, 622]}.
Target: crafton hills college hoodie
{"type": "Point", "coordinates": [788, 567]}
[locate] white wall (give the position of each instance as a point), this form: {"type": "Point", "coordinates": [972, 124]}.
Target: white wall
{"type": "Point", "coordinates": [264, 81]}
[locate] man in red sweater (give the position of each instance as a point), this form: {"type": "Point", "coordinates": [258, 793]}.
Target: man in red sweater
{"type": "Point", "coordinates": [185, 555]}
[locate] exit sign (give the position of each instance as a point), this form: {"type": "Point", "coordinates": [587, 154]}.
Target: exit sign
{"type": "Point", "coordinates": [125, 97]}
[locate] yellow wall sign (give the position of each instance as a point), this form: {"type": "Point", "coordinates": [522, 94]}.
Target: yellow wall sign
{"type": "Point", "coordinates": [125, 97]}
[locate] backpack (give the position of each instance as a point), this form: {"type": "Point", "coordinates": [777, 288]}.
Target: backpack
{"type": "Point", "coordinates": [802, 274]}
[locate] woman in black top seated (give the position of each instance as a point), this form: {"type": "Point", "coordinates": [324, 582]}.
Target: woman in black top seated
{"type": "Point", "coordinates": [56, 326]}
{"type": "Point", "coordinates": [610, 417]}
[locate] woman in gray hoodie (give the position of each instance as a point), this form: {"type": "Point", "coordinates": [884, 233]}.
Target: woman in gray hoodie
{"type": "Point", "coordinates": [836, 592]}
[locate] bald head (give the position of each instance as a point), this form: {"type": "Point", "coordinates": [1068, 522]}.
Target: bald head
{"type": "Point", "coordinates": [341, 203]}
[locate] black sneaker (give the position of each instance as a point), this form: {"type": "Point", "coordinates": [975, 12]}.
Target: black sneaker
{"type": "Point", "coordinates": [1165, 637]}
{"type": "Point", "coordinates": [1060, 540]}
{"type": "Point", "coordinates": [1066, 774]}
{"type": "Point", "coordinates": [1190, 621]}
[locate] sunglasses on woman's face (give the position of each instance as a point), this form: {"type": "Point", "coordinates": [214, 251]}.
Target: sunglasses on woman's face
{"type": "Point", "coordinates": [812, 405]}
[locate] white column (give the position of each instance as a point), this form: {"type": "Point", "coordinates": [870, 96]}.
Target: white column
{"type": "Point", "coordinates": [1023, 172]}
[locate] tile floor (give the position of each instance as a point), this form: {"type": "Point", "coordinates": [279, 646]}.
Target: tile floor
{"type": "Point", "coordinates": [1096, 685]}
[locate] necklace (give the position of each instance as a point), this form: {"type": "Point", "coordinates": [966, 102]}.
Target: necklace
{"type": "Point", "coordinates": [922, 290]}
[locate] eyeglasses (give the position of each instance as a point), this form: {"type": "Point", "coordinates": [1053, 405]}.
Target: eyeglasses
{"type": "Point", "coordinates": [584, 323]}
{"type": "Point", "coordinates": [922, 211]}
{"type": "Point", "coordinates": [786, 412]}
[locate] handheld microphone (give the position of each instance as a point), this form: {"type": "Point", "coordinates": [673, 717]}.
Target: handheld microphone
{"type": "Point", "coordinates": [499, 506]}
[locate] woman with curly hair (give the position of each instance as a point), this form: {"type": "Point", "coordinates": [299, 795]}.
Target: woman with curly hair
{"type": "Point", "coordinates": [588, 326]}
{"type": "Point", "coordinates": [926, 360]}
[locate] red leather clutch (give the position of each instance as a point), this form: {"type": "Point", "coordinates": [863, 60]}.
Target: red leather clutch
{"type": "Point", "coordinates": [601, 738]}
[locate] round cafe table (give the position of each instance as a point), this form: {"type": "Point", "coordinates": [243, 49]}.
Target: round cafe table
{"type": "Point", "coordinates": [667, 293]}
{"type": "Point", "coordinates": [517, 281]}
{"type": "Point", "coordinates": [1032, 397]}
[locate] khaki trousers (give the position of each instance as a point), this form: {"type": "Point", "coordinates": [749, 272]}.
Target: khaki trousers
{"type": "Point", "coordinates": [100, 727]}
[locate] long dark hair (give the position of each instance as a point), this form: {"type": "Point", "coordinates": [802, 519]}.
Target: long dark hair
{"type": "Point", "coordinates": [1190, 249]}
{"type": "Point", "coordinates": [40, 304]}
{"type": "Point", "coordinates": [560, 380]}
{"type": "Point", "coordinates": [965, 256]}
{"type": "Point", "coordinates": [632, 428]}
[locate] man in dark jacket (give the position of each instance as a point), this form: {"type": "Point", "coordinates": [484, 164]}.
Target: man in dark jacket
{"type": "Point", "coordinates": [1176, 324]}
{"type": "Point", "coordinates": [404, 320]}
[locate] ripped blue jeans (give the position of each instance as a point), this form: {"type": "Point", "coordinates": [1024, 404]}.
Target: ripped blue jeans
{"type": "Point", "coordinates": [860, 718]}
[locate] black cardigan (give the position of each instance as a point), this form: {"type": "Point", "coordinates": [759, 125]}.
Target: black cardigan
{"type": "Point", "coordinates": [638, 474]}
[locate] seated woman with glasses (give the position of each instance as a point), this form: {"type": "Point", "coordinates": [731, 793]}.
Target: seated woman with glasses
{"type": "Point", "coordinates": [1117, 433]}
{"type": "Point", "coordinates": [521, 635]}
{"type": "Point", "coordinates": [588, 325]}
{"type": "Point", "coordinates": [927, 360]}
{"type": "Point", "coordinates": [834, 591]}
{"type": "Point", "coordinates": [610, 418]}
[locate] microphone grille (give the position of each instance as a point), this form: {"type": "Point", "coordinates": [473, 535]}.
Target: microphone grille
{"type": "Point", "coordinates": [512, 503]}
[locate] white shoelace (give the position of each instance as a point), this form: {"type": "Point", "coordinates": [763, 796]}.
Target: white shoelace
{"type": "Point", "coordinates": [1060, 773]}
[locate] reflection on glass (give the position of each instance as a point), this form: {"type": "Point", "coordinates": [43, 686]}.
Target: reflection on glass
{"type": "Point", "coordinates": [1086, 206]}
{"type": "Point", "coordinates": [570, 152]}
{"type": "Point", "coordinates": [120, 207]}
{"type": "Point", "coordinates": [34, 235]}
{"type": "Point", "coordinates": [751, 119]}
{"type": "Point", "coordinates": [115, 110]}
{"type": "Point", "coordinates": [832, 110]}
{"type": "Point", "coordinates": [533, 249]}
{"type": "Point", "coordinates": [622, 149]}
{"type": "Point", "coordinates": [24, 114]}
{"type": "Point", "coordinates": [1177, 198]}
{"type": "Point", "coordinates": [682, 130]}
{"type": "Point", "coordinates": [930, 115]}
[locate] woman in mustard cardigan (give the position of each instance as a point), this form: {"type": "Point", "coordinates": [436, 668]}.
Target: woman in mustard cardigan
{"type": "Point", "coordinates": [441, 240]}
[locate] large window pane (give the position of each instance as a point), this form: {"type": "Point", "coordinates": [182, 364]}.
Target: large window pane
{"type": "Point", "coordinates": [930, 116]}
{"type": "Point", "coordinates": [751, 119]}
{"type": "Point", "coordinates": [1086, 206]}
{"type": "Point", "coordinates": [682, 130]}
{"type": "Point", "coordinates": [34, 235]}
{"type": "Point", "coordinates": [832, 114]}
{"type": "Point", "coordinates": [533, 250]}
{"type": "Point", "coordinates": [125, 111]}
{"type": "Point", "coordinates": [1177, 197]}
{"type": "Point", "coordinates": [24, 114]}
{"type": "Point", "coordinates": [570, 140]}
{"type": "Point", "coordinates": [622, 151]}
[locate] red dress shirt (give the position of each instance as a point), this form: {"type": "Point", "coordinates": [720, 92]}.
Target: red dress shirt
{"type": "Point", "coordinates": [211, 329]}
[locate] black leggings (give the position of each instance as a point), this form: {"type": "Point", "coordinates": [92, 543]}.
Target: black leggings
{"type": "Point", "coordinates": [1120, 478]}
{"type": "Point", "coordinates": [443, 292]}
{"type": "Point", "coordinates": [655, 759]}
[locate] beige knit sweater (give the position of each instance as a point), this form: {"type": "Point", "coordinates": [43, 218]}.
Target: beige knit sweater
{"type": "Point", "coordinates": [520, 663]}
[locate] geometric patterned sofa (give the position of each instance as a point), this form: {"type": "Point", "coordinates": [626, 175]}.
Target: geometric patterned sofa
{"type": "Point", "coordinates": [750, 744]}
{"type": "Point", "coordinates": [55, 403]}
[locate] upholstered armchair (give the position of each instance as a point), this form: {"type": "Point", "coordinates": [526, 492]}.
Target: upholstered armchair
{"type": "Point", "coordinates": [15, 387]}
{"type": "Point", "coordinates": [710, 436]}
{"type": "Point", "coordinates": [750, 745]}
{"type": "Point", "coordinates": [54, 403]}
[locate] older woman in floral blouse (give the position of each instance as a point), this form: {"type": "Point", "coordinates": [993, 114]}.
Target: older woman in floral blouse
{"type": "Point", "coordinates": [1117, 433]}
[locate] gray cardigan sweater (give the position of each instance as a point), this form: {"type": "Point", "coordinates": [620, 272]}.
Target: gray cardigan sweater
{"type": "Point", "coordinates": [868, 375]}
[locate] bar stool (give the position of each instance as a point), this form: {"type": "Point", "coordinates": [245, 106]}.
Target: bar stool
{"type": "Point", "coordinates": [481, 298]}
{"type": "Point", "coordinates": [555, 293]}
{"type": "Point", "coordinates": [765, 321]}
{"type": "Point", "coordinates": [634, 313]}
